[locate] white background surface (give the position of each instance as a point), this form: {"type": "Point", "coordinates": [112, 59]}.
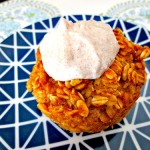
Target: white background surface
{"type": "Point", "coordinates": [84, 6]}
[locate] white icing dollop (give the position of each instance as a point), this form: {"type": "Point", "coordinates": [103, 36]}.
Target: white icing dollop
{"type": "Point", "coordinates": [82, 50]}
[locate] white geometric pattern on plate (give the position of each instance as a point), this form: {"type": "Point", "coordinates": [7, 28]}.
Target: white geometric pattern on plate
{"type": "Point", "coordinates": [22, 126]}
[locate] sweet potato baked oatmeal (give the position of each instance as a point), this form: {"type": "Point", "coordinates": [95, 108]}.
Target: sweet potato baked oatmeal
{"type": "Point", "coordinates": [92, 105]}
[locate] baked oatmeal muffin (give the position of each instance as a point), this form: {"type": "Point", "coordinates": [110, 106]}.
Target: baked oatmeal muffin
{"type": "Point", "coordinates": [92, 105]}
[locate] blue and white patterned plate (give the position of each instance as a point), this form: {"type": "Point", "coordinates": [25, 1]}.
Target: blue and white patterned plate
{"type": "Point", "coordinates": [22, 126]}
{"type": "Point", "coordinates": [135, 11]}
{"type": "Point", "coordinates": [17, 14]}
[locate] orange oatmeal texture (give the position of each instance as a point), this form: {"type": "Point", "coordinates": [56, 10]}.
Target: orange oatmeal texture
{"type": "Point", "coordinates": [87, 105]}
